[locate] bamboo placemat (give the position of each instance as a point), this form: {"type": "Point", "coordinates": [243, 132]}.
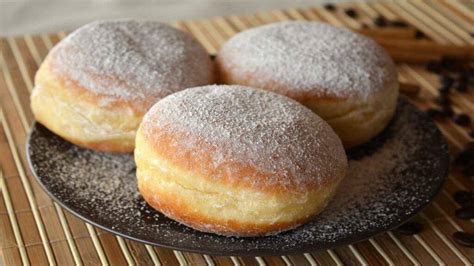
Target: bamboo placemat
{"type": "Point", "coordinates": [35, 230]}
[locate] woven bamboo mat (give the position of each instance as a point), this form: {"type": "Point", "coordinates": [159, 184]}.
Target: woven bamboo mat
{"type": "Point", "coordinates": [35, 230]}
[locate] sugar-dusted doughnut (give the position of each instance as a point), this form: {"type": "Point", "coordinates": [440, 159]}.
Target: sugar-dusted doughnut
{"type": "Point", "coordinates": [344, 77]}
{"type": "Point", "coordinates": [95, 85]}
{"type": "Point", "coordinates": [237, 161]}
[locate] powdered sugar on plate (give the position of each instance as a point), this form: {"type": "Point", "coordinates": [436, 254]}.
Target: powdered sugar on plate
{"type": "Point", "coordinates": [389, 180]}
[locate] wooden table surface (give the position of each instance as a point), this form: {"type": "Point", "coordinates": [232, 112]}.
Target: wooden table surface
{"type": "Point", "coordinates": [35, 230]}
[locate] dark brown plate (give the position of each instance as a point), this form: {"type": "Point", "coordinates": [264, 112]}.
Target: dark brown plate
{"type": "Point", "coordinates": [390, 179]}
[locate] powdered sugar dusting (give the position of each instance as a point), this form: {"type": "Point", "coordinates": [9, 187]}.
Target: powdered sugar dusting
{"type": "Point", "coordinates": [130, 60]}
{"type": "Point", "coordinates": [308, 57]}
{"type": "Point", "coordinates": [267, 131]}
{"type": "Point", "coordinates": [389, 179]}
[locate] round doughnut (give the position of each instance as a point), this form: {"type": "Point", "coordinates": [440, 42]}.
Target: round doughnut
{"type": "Point", "coordinates": [237, 161]}
{"type": "Point", "coordinates": [94, 86]}
{"type": "Point", "coordinates": [346, 78]}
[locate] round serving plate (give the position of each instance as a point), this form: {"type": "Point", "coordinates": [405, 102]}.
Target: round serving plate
{"type": "Point", "coordinates": [390, 179]}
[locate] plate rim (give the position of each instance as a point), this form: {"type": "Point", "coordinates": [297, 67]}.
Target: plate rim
{"type": "Point", "coordinates": [355, 238]}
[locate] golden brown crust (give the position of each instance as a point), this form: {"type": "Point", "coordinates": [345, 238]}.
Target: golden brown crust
{"type": "Point", "coordinates": [181, 212]}
{"type": "Point", "coordinates": [225, 75]}
{"type": "Point", "coordinates": [75, 114]}
{"type": "Point", "coordinates": [113, 146]}
{"type": "Point", "coordinates": [230, 173]}
{"type": "Point", "coordinates": [78, 92]}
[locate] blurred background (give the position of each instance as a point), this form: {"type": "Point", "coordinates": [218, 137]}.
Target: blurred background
{"type": "Point", "coordinates": [33, 16]}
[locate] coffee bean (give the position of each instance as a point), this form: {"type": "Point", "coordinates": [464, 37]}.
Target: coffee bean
{"type": "Point", "coordinates": [468, 74]}
{"type": "Point", "coordinates": [464, 198]}
{"type": "Point", "coordinates": [399, 24]}
{"type": "Point", "coordinates": [433, 66]}
{"type": "Point", "coordinates": [450, 64]}
{"type": "Point", "coordinates": [447, 111]}
{"type": "Point", "coordinates": [465, 213]}
{"type": "Point", "coordinates": [471, 133]}
{"type": "Point", "coordinates": [444, 90]}
{"type": "Point", "coordinates": [446, 81]}
{"type": "Point", "coordinates": [463, 238]}
{"type": "Point", "coordinates": [380, 21]}
{"type": "Point", "coordinates": [469, 145]}
{"type": "Point", "coordinates": [419, 34]}
{"type": "Point", "coordinates": [434, 113]}
{"type": "Point", "coordinates": [330, 7]}
{"type": "Point", "coordinates": [465, 157]}
{"type": "Point", "coordinates": [351, 12]}
{"type": "Point", "coordinates": [365, 26]}
{"type": "Point", "coordinates": [410, 228]}
{"type": "Point", "coordinates": [462, 120]}
{"type": "Point", "coordinates": [443, 99]}
{"type": "Point", "coordinates": [468, 171]}
{"type": "Point", "coordinates": [213, 56]}
{"type": "Point", "coordinates": [465, 74]}
{"type": "Point", "coordinates": [462, 85]}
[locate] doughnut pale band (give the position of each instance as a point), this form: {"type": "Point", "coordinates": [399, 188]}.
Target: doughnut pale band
{"type": "Point", "coordinates": [356, 122]}
{"type": "Point", "coordinates": [227, 208]}
{"type": "Point", "coordinates": [74, 114]}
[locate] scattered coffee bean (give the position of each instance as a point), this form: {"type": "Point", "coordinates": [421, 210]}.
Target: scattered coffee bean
{"type": "Point", "coordinates": [419, 34]}
{"type": "Point", "coordinates": [399, 24]}
{"type": "Point", "coordinates": [351, 12]}
{"type": "Point", "coordinates": [444, 90]}
{"type": "Point", "coordinates": [443, 99]}
{"type": "Point", "coordinates": [465, 73]}
{"type": "Point", "coordinates": [450, 64]}
{"type": "Point", "coordinates": [462, 120]}
{"type": "Point", "coordinates": [330, 7]}
{"type": "Point", "coordinates": [447, 111]}
{"type": "Point", "coordinates": [468, 171]}
{"type": "Point", "coordinates": [434, 113]}
{"type": "Point", "coordinates": [465, 156]}
{"type": "Point", "coordinates": [465, 213]}
{"type": "Point", "coordinates": [446, 81]}
{"type": "Point", "coordinates": [469, 145]}
{"type": "Point", "coordinates": [463, 238]}
{"type": "Point", "coordinates": [453, 74]}
{"type": "Point", "coordinates": [433, 66]}
{"type": "Point", "coordinates": [468, 73]}
{"type": "Point", "coordinates": [462, 85]}
{"type": "Point", "coordinates": [449, 68]}
{"type": "Point", "coordinates": [380, 21]}
{"type": "Point", "coordinates": [464, 198]}
{"type": "Point", "coordinates": [410, 228]}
